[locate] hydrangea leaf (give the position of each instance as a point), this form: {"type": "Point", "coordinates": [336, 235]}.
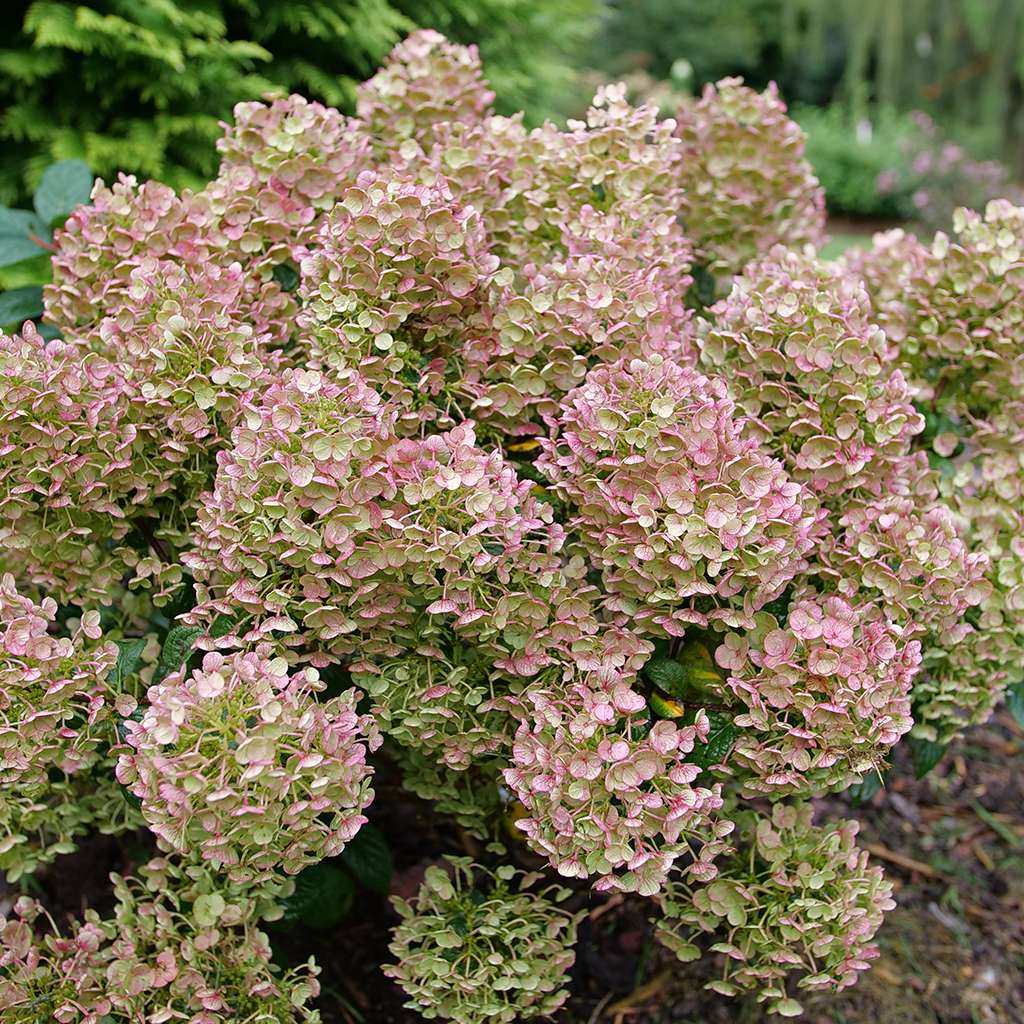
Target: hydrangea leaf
{"type": "Point", "coordinates": [323, 896]}
{"type": "Point", "coordinates": [17, 228]}
{"type": "Point", "coordinates": [926, 754]}
{"type": "Point", "coordinates": [861, 792]}
{"type": "Point", "coordinates": [368, 856]}
{"type": "Point", "coordinates": [19, 305]}
{"type": "Point", "coordinates": [690, 672]}
{"type": "Point", "coordinates": [129, 657]}
{"type": "Point", "coordinates": [721, 738]}
{"type": "Point", "coordinates": [176, 649]}
{"type": "Point", "coordinates": [1015, 702]}
{"type": "Point", "coordinates": [64, 185]}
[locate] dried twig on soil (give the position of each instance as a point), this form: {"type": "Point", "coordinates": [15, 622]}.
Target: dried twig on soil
{"type": "Point", "coordinates": [903, 861]}
{"type": "Point", "coordinates": [640, 995]}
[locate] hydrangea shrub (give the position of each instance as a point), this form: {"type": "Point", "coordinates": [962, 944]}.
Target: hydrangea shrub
{"type": "Point", "coordinates": [417, 439]}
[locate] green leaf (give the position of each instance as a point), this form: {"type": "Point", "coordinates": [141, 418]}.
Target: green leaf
{"type": "Point", "coordinates": [16, 229]}
{"type": "Point", "coordinates": [1015, 702]}
{"type": "Point", "coordinates": [176, 650]}
{"type": "Point", "coordinates": [19, 305]}
{"type": "Point", "coordinates": [222, 625]}
{"type": "Point", "coordinates": [64, 185]}
{"type": "Point", "coordinates": [925, 754]}
{"type": "Point", "coordinates": [704, 287]}
{"type": "Point", "coordinates": [368, 856]}
{"type": "Point", "coordinates": [721, 738]}
{"type": "Point", "coordinates": [688, 675]}
{"type": "Point", "coordinates": [129, 657]}
{"type": "Point", "coordinates": [323, 896]}
{"type": "Point", "coordinates": [861, 792]}
{"type": "Point", "coordinates": [286, 276]}
{"type": "Point", "coordinates": [667, 675]}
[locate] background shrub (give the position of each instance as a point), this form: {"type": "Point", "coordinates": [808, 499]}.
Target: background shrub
{"type": "Point", "coordinates": [141, 85]}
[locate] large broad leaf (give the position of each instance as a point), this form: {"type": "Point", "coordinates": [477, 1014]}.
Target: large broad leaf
{"type": "Point", "coordinates": [176, 649]}
{"type": "Point", "coordinates": [686, 676]}
{"type": "Point", "coordinates": [64, 185]}
{"type": "Point", "coordinates": [1015, 702]}
{"type": "Point", "coordinates": [19, 305]}
{"type": "Point", "coordinates": [368, 856]}
{"type": "Point", "coordinates": [925, 754]}
{"type": "Point", "coordinates": [721, 738]}
{"type": "Point", "coordinates": [667, 675]}
{"type": "Point", "coordinates": [323, 896]}
{"type": "Point", "coordinates": [18, 230]}
{"type": "Point", "coordinates": [861, 792]}
{"type": "Point", "coordinates": [129, 657]}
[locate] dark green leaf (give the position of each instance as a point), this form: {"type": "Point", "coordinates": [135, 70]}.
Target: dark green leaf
{"type": "Point", "coordinates": [19, 305]}
{"type": "Point", "coordinates": [286, 276]}
{"type": "Point", "coordinates": [129, 657]}
{"type": "Point", "coordinates": [667, 674]}
{"type": "Point", "coordinates": [368, 856]}
{"type": "Point", "coordinates": [176, 649]}
{"type": "Point", "coordinates": [64, 185]}
{"type": "Point", "coordinates": [48, 332]}
{"type": "Point", "coordinates": [1015, 702]}
{"type": "Point", "coordinates": [926, 754]}
{"type": "Point", "coordinates": [702, 292]}
{"type": "Point", "coordinates": [688, 676]}
{"type": "Point", "coordinates": [861, 792]}
{"type": "Point", "coordinates": [721, 738]}
{"type": "Point", "coordinates": [222, 625]}
{"type": "Point", "coordinates": [323, 896]}
{"type": "Point", "coordinates": [16, 230]}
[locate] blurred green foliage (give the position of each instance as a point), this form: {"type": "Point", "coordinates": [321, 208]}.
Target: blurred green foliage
{"type": "Point", "coordinates": [756, 39]}
{"type": "Point", "coordinates": [854, 70]}
{"type": "Point", "coordinates": [140, 85]}
{"type": "Point", "coordinates": [848, 157]}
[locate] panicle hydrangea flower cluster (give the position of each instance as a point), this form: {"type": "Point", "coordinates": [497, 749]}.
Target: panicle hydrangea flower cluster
{"type": "Point", "coordinates": [178, 334]}
{"type": "Point", "coordinates": [824, 695]}
{"type": "Point", "coordinates": [240, 764]}
{"type": "Point", "coordinates": [745, 180]}
{"type": "Point", "coordinates": [395, 288]}
{"type": "Point", "coordinates": [916, 562]}
{"type": "Point", "coordinates": [968, 679]}
{"type": "Point", "coordinates": [605, 797]}
{"type": "Point", "coordinates": [804, 901]}
{"type": "Point", "coordinates": [796, 342]}
{"type": "Point", "coordinates": [80, 466]}
{"type": "Point", "coordinates": [321, 523]}
{"type": "Point", "coordinates": [426, 82]}
{"type": "Point", "coordinates": [954, 315]}
{"type": "Point", "coordinates": [318, 386]}
{"type": "Point", "coordinates": [678, 510]}
{"type": "Point", "coordinates": [961, 313]}
{"type": "Point", "coordinates": [53, 692]}
{"type": "Point", "coordinates": [885, 271]}
{"type": "Point", "coordinates": [97, 248]}
{"type": "Point", "coordinates": [58, 715]}
{"type": "Point", "coordinates": [290, 159]}
{"type": "Point", "coordinates": [476, 946]}
{"type": "Point", "coordinates": [180, 946]}
{"type": "Point", "coordinates": [617, 294]}
{"type": "Point", "coordinates": [621, 160]}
